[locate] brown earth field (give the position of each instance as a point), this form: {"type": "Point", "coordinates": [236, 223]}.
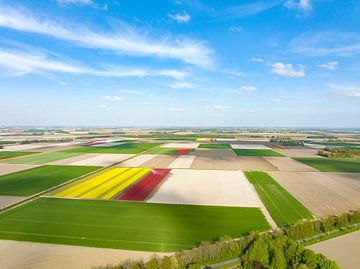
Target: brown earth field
{"type": "Point", "coordinates": [7, 168]}
{"type": "Point", "coordinates": [161, 161]}
{"type": "Point", "coordinates": [255, 163]}
{"type": "Point", "coordinates": [21, 255]}
{"type": "Point", "coordinates": [299, 152]}
{"type": "Point", "coordinates": [55, 148]}
{"type": "Point", "coordinates": [344, 249]}
{"type": "Point", "coordinates": [320, 193]}
{"type": "Point", "coordinates": [8, 200]}
{"type": "Point", "coordinates": [289, 164]}
{"type": "Point", "coordinates": [215, 159]}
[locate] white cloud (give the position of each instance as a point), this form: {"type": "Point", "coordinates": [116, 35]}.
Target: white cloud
{"type": "Point", "coordinates": [277, 100]}
{"type": "Point", "coordinates": [288, 70]}
{"type": "Point", "coordinates": [182, 85]}
{"type": "Point", "coordinates": [180, 17]}
{"type": "Point", "coordinates": [247, 88]}
{"type": "Point", "coordinates": [303, 5]}
{"type": "Point", "coordinates": [330, 65]}
{"type": "Point", "coordinates": [219, 107]}
{"type": "Point", "coordinates": [25, 62]}
{"type": "Point", "coordinates": [347, 90]}
{"type": "Point", "coordinates": [235, 29]}
{"type": "Point", "coordinates": [79, 2]}
{"type": "Point", "coordinates": [257, 60]}
{"type": "Point", "coordinates": [103, 106]}
{"type": "Point", "coordinates": [125, 41]}
{"type": "Point", "coordinates": [113, 98]}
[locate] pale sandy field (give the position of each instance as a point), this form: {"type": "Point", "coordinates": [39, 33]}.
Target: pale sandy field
{"type": "Point", "coordinates": [102, 159]}
{"type": "Point", "coordinates": [289, 164]}
{"type": "Point", "coordinates": [255, 163]}
{"type": "Point", "coordinates": [206, 187]}
{"type": "Point", "coordinates": [249, 146]}
{"type": "Point", "coordinates": [69, 161]}
{"type": "Point", "coordinates": [8, 200]}
{"type": "Point", "coordinates": [319, 192]}
{"type": "Point", "coordinates": [303, 152]}
{"type": "Point", "coordinates": [350, 179]}
{"type": "Point", "coordinates": [138, 160]}
{"type": "Point", "coordinates": [27, 255]}
{"type": "Point", "coordinates": [25, 147]}
{"type": "Point", "coordinates": [7, 168]}
{"type": "Point", "coordinates": [161, 161]}
{"type": "Point", "coordinates": [181, 145]}
{"type": "Point", "coordinates": [215, 159]}
{"type": "Point", "coordinates": [182, 161]}
{"type": "Point", "coordinates": [344, 249]}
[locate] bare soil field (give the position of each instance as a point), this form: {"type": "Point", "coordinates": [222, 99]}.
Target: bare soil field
{"type": "Point", "coordinates": [181, 145]}
{"type": "Point", "coordinates": [8, 200]}
{"type": "Point", "coordinates": [298, 152]}
{"type": "Point", "coordinates": [27, 255]}
{"type": "Point", "coordinates": [182, 161]}
{"type": "Point", "coordinates": [102, 159]}
{"type": "Point", "coordinates": [255, 163]}
{"type": "Point", "coordinates": [319, 192]}
{"type": "Point", "coordinates": [289, 164]}
{"type": "Point", "coordinates": [215, 159]}
{"type": "Point", "coordinates": [137, 161]}
{"type": "Point", "coordinates": [249, 146]}
{"type": "Point", "coordinates": [210, 187]}
{"type": "Point", "coordinates": [7, 168]}
{"type": "Point", "coordinates": [25, 147]}
{"type": "Point", "coordinates": [344, 249]}
{"type": "Point", "coordinates": [161, 161]}
{"type": "Point", "coordinates": [350, 179]}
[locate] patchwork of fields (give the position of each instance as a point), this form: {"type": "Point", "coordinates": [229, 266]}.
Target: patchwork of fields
{"type": "Point", "coordinates": [167, 196]}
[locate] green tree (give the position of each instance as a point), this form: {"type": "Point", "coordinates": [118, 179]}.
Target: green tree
{"type": "Point", "coordinates": [258, 252]}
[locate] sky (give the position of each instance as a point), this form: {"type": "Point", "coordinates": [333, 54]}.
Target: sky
{"type": "Point", "coordinates": [289, 63]}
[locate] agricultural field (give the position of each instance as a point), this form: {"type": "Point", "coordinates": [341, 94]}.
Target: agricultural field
{"type": "Point", "coordinates": [94, 159]}
{"type": "Point", "coordinates": [13, 154]}
{"type": "Point", "coordinates": [332, 165]}
{"type": "Point", "coordinates": [214, 146]}
{"type": "Point", "coordinates": [126, 225]}
{"type": "Point", "coordinates": [103, 185]}
{"type": "Point", "coordinates": [42, 158]}
{"type": "Point", "coordinates": [257, 152]}
{"type": "Point", "coordinates": [126, 148]}
{"type": "Point", "coordinates": [170, 151]}
{"type": "Point", "coordinates": [214, 159]}
{"type": "Point", "coordinates": [7, 168]}
{"type": "Point", "coordinates": [282, 206]}
{"type": "Point", "coordinates": [161, 161]}
{"type": "Point", "coordinates": [34, 180]}
{"type": "Point", "coordinates": [255, 163]}
{"type": "Point", "coordinates": [182, 161]}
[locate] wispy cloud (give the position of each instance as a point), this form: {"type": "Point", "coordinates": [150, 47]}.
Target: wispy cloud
{"type": "Point", "coordinates": [303, 5]}
{"type": "Point", "coordinates": [223, 108]}
{"type": "Point", "coordinates": [346, 90]}
{"type": "Point", "coordinates": [182, 85]}
{"type": "Point", "coordinates": [125, 41]}
{"type": "Point", "coordinates": [329, 65]}
{"type": "Point", "coordinates": [277, 100]}
{"type": "Point", "coordinates": [287, 70]}
{"type": "Point", "coordinates": [77, 2]}
{"type": "Point", "coordinates": [247, 88]}
{"type": "Point", "coordinates": [183, 17]}
{"type": "Point", "coordinates": [25, 62]}
{"type": "Point", "coordinates": [326, 43]}
{"type": "Point", "coordinates": [113, 98]}
{"type": "Point", "coordinates": [256, 59]}
{"type": "Point", "coordinates": [177, 109]}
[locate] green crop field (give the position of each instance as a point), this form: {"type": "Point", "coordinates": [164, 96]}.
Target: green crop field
{"type": "Point", "coordinates": [177, 138]}
{"type": "Point", "coordinates": [126, 225]}
{"type": "Point", "coordinates": [10, 154]}
{"type": "Point", "coordinates": [32, 181]}
{"type": "Point", "coordinates": [214, 146]}
{"type": "Point", "coordinates": [282, 206]}
{"type": "Point", "coordinates": [164, 151]}
{"type": "Point", "coordinates": [257, 152]}
{"type": "Point", "coordinates": [43, 158]}
{"type": "Point", "coordinates": [126, 148]}
{"type": "Point", "coordinates": [332, 165]}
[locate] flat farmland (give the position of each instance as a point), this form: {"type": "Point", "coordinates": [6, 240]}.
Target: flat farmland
{"type": "Point", "coordinates": [282, 206]}
{"type": "Point", "coordinates": [255, 163]}
{"type": "Point", "coordinates": [214, 146]}
{"type": "Point", "coordinates": [299, 152]}
{"type": "Point", "coordinates": [320, 192]}
{"type": "Point", "coordinates": [332, 165]}
{"type": "Point", "coordinates": [206, 187]}
{"type": "Point", "coordinates": [182, 161]}
{"type": "Point", "coordinates": [125, 148]}
{"type": "Point", "coordinates": [161, 161]}
{"type": "Point", "coordinates": [164, 151]}
{"type": "Point", "coordinates": [32, 181]}
{"type": "Point", "coordinates": [214, 159]}
{"type": "Point", "coordinates": [257, 152]}
{"type": "Point", "coordinates": [43, 158]}
{"type": "Point", "coordinates": [94, 159]}
{"type": "Point", "coordinates": [126, 225]}
{"type": "Point", "coordinates": [12, 154]}
{"type": "Point", "coordinates": [289, 164]}
{"type": "Point", "coordinates": [137, 160]}
{"type": "Point", "coordinates": [181, 145]}
{"type": "Point", "coordinates": [7, 168]}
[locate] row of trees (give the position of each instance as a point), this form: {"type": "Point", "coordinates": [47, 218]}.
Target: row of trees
{"type": "Point", "coordinates": [286, 141]}
{"type": "Point", "coordinates": [339, 153]}
{"type": "Point", "coordinates": [276, 250]}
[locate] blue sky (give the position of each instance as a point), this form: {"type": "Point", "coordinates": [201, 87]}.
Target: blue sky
{"type": "Point", "coordinates": [180, 63]}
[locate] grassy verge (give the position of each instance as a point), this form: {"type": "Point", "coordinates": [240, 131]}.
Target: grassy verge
{"type": "Point", "coordinates": [126, 225]}
{"type": "Point", "coordinates": [11, 154]}
{"type": "Point", "coordinates": [332, 165]}
{"type": "Point", "coordinates": [32, 181]}
{"type": "Point", "coordinates": [282, 206]}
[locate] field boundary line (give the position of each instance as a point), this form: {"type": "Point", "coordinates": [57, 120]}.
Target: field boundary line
{"type": "Point", "coordinates": [22, 156]}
